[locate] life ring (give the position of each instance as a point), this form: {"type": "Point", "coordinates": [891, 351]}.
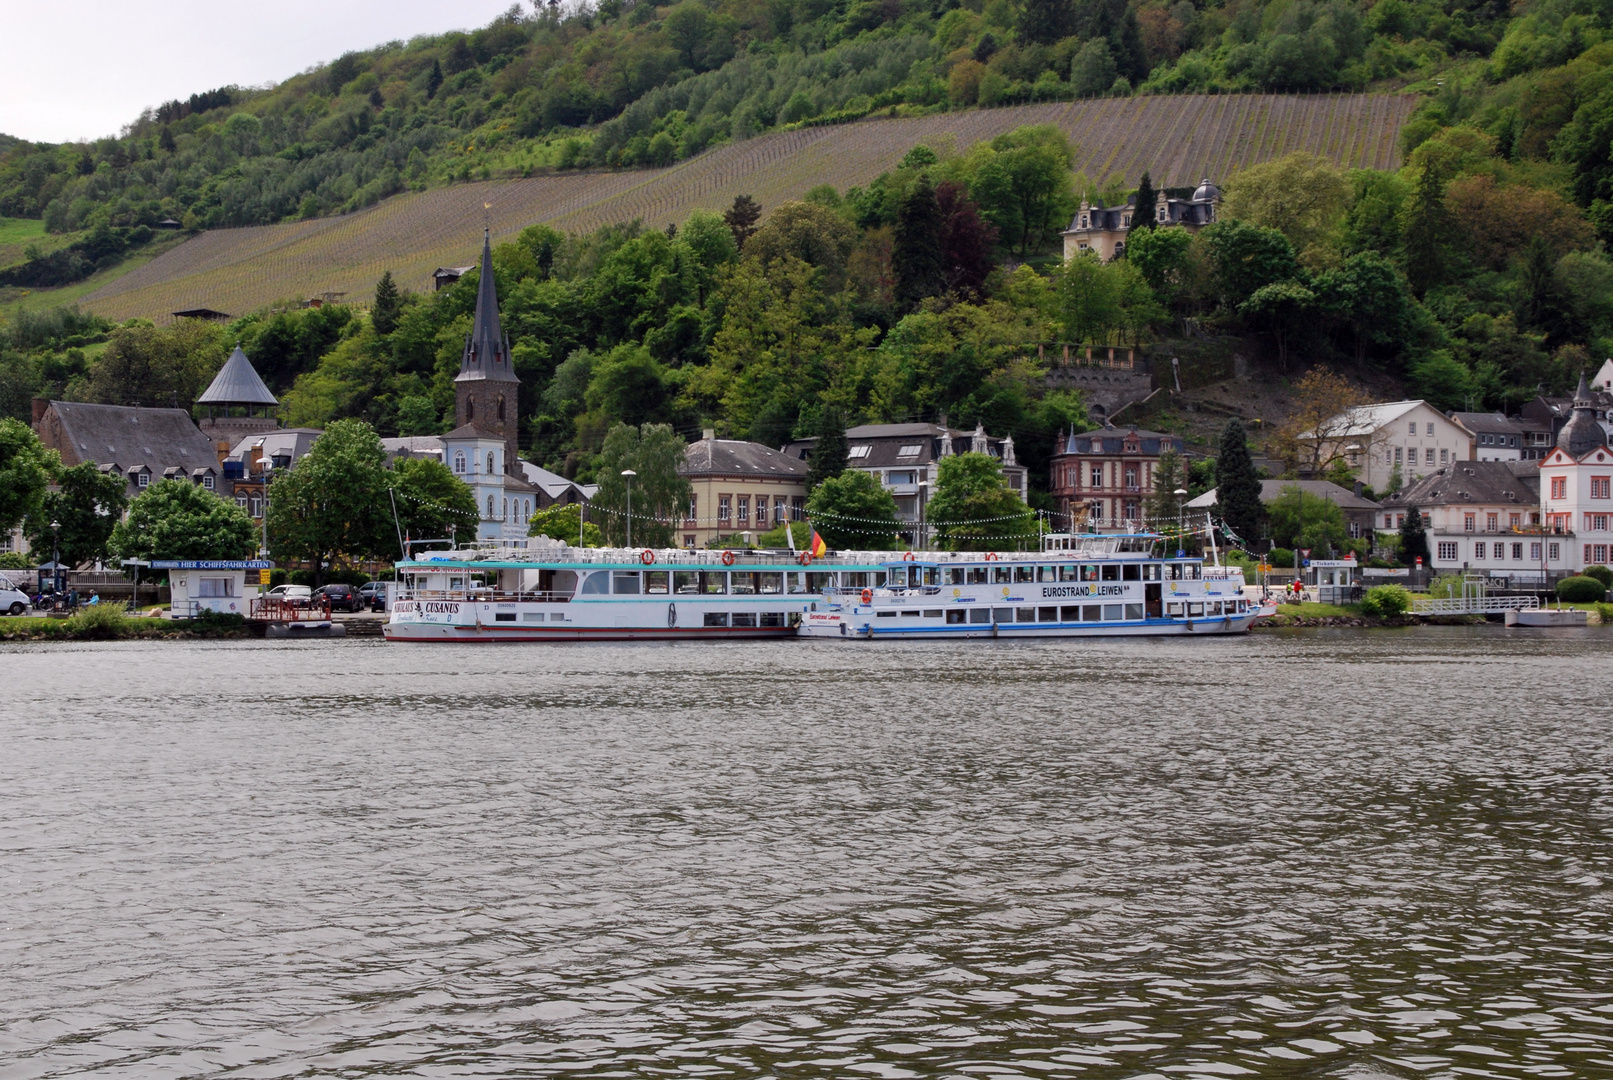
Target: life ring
{"type": "Point", "coordinates": [646, 557]}
{"type": "Point", "coordinates": [991, 556]}
{"type": "Point", "coordinates": [806, 558]}
{"type": "Point", "coordinates": [907, 556]}
{"type": "Point", "coordinates": [728, 558]}
{"type": "Point", "coordinates": [868, 596]}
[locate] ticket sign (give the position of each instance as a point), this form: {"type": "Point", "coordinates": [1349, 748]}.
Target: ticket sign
{"type": "Point", "coordinates": [263, 578]}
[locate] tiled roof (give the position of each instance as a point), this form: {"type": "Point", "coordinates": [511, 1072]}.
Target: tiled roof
{"type": "Point", "coordinates": [1487, 423]}
{"type": "Point", "coordinates": [1271, 490]}
{"type": "Point", "coordinates": [1114, 439]}
{"type": "Point", "coordinates": [1368, 419]}
{"type": "Point", "coordinates": [732, 457]}
{"type": "Point", "coordinates": [160, 438]}
{"type": "Point", "coordinates": [1473, 482]}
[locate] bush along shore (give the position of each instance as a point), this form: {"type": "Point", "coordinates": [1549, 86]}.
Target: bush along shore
{"type": "Point", "coordinates": [112, 623]}
{"type": "Point", "coordinates": [1313, 615]}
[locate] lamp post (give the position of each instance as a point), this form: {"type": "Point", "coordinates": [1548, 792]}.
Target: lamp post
{"type": "Point", "coordinates": [1180, 493]}
{"type": "Point", "coordinates": [56, 554]}
{"type": "Point", "coordinates": [629, 474]}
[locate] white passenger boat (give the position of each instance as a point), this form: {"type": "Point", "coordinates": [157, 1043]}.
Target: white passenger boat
{"type": "Point", "coordinates": [1078, 586]}
{"type": "Point", "coordinates": [547, 591]}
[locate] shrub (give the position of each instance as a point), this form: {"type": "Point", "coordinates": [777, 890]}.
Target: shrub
{"type": "Point", "coordinates": [1386, 601]}
{"type": "Point", "coordinates": [207, 619]}
{"type": "Point", "coordinates": [99, 622]}
{"type": "Point", "coordinates": [1280, 557]}
{"type": "Point", "coordinates": [1601, 573]}
{"type": "Point", "coordinates": [1581, 590]}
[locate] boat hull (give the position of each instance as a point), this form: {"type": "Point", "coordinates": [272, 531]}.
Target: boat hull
{"type": "Point", "coordinates": [421, 632]}
{"type": "Point", "coordinates": [832, 626]}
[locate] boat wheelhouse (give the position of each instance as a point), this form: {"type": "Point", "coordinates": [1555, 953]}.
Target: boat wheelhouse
{"type": "Point", "coordinates": [1078, 585]}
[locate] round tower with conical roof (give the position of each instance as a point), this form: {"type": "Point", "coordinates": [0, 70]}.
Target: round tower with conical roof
{"type": "Point", "coordinates": [236, 403]}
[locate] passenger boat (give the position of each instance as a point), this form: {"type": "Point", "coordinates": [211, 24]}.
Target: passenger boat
{"type": "Point", "coordinates": [546, 591]}
{"type": "Point", "coordinates": [1078, 585]}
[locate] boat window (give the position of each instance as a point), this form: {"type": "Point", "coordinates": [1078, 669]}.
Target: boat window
{"type": "Point", "coordinates": [716, 618]}
{"type": "Point", "coordinates": [879, 579]}
{"type": "Point", "coordinates": [624, 582]}
{"type": "Point", "coordinates": [1195, 609]}
{"type": "Point", "coordinates": [1069, 614]}
{"type": "Point", "coordinates": [1002, 575]}
{"type": "Point", "coordinates": [1111, 572]}
{"type": "Point", "coordinates": [979, 575]}
{"type": "Point", "coordinates": [1174, 571]}
{"type": "Point", "coordinates": [956, 575]}
{"type": "Point", "coordinates": [797, 581]}
{"type": "Point", "coordinates": [1134, 611]}
{"type": "Point", "coordinates": [1089, 573]}
{"type": "Point", "coordinates": [1173, 608]}
{"type": "Point", "coordinates": [773, 618]}
{"type": "Point", "coordinates": [456, 584]}
{"type": "Point", "coordinates": [980, 615]}
{"type": "Point", "coordinates": [912, 614]}
{"type": "Point", "coordinates": [597, 583]}
{"type": "Point", "coordinates": [1025, 614]}
{"type": "Point", "coordinates": [1193, 571]}
{"type": "Point", "coordinates": [770, 582]}
{"type": "Point", "coordinates": [655, 581]}
{"type": "Point", "coordinates": [1113, 612]}
{"type": "Point", "coordinates": [713, 583]}
{"type": "Point", "coordinates": [1151, 571]}
{"type": "Point", "coordinates": [932, 575]}
{"type": "Point", "coordinates": [1024, 574]}
{"type": "Point", "coordinates": [856, 579]}
{"type": "Point", "coordinates": [1092, 613]}
{"type": "Point", "coordinates": [1047, 573]}
{"type": "Point", "coordinates": [932, 613]}
{"type": "Point", "coordinates": [686, 582]}
{"type": "Point", "coordinates": [1131, 572]}
{"type": "Point", "coordinates": [957, 616]}
{"type": "Point", "coordinates": [819, 580]}
{"type": "Point", "coordinates": [1047, 614]}
{"type": "Point", "coordinates": [1069, 572]}
{"type": "Point", "coordinates": [1002, 614]}
{"type": "Point", "coordinates": [742, 584]}
{"type": "Point", "coordinates": [744, 618]}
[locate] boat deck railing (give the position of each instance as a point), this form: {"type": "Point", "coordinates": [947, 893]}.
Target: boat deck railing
{"type": "Point", "coordinates": [1078, 546]}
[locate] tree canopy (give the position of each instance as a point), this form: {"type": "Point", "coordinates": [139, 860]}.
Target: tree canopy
{"type": "Point", "coordinates": [25, 472]}
{"type": "Point", "coordinates": [84, 505]}
{"type": "Point", "coordinates": [176, 519]}
{"type": "Point", "coordinates": [332, 507]}
{"type": "Point", "coordinates": [854, 512]}
{"type": "Point", "coordinates": [974, 509]}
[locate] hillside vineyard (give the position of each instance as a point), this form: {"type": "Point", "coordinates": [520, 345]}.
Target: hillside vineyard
{"type": "Point", "coordinates": [1176, 138]}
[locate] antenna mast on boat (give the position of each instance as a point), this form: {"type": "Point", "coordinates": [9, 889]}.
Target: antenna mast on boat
{"type": "Point", "coordinates": [1215, 553]}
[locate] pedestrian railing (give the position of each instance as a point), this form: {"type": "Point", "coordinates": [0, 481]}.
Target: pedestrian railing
{"type": "Point", "coordinates": [1474, 605]}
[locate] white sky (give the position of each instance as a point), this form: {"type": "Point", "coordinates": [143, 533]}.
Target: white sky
{"type": "Point", "coordinates": [77, 69]}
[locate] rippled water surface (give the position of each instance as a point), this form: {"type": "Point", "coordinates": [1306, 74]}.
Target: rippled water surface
{"type": "Point", "coordinates": [1353, 854]}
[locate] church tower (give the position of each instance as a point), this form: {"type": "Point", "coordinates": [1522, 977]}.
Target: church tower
{"type": "Point", "coordinates": [486, 390]}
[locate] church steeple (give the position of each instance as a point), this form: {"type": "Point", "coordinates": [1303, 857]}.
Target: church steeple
{"type": "Point", "coordinates": [487, 389]}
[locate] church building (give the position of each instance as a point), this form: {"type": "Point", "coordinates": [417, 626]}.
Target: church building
{"type": "Point", "coordinates": [482, 451]}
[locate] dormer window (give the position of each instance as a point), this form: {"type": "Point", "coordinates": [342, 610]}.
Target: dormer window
{"type": "Point", "coordinates": [1125, 221]}
{"type": "Point", "coordinates": [1085, 222]}
{"type": "Point", "coordinates": [1163, 213]}
{"type": "Point", "coordinates": [142, 479]}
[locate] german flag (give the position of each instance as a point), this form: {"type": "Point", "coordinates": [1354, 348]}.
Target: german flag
{"type": "Point", "coordinates": [817, 547]}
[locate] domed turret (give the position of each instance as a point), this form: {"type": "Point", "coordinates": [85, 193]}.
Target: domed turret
{"type": "Point", "coordinates": [1582, 433]}
{"type": "Point", "coordinates": [1206, 191]}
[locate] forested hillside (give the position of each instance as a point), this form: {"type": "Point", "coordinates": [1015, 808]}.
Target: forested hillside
{"type": "Point", "coordinates": [620, 84]}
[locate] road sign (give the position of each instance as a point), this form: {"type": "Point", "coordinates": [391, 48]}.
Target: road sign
{"type": "Point", "coordinates": [263, 577]}
{"type": "Point", "coordinates": [1305, 552]}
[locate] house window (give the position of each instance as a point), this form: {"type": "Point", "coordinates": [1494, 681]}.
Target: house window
{"type": "Point", "coordinates": [744, 511]}
{"type": "Point", "coordinates": [143, 480]}
{"type": "Point", "coordinates": [1388, 521]}
{"type": "Point", "coordinates": [215, 587]}
{"type": "Point", "coordinates": [1468, 522]}
{"type": "Point", "coordinates": [1430, 427]}
{"type": "Point", "coordinates": [858, 452]}
{"type": "Point", "coordinates": [207, 482]}
{"type": "Point", "coordinates": [1600, 486]}
{"type": "Point", "coordinates": [1596, 523]}
{"type": "Point", "coordinates": [1097, 476]}
{"type": "Point", "coordinates": [693, 507]}
{"type": "Point", "coordinates": [1412, 428]}
{"type": "Point", "coordinates": [688, 541]}
{"type": "Point", "coordinates": [1447, 551]}
{"type": "Point", "coordinates": [490, 508]}
{"type": "Point", "coordinates": [1534, 552]}
{"type": "Point", "coordinates": [506, 505]}
{"type": "Point", "coordinates": [761, 511]}
{"type": "Point", "coordinates": [490, 469]}
{"type": "Point", "coordinates": [459, 463]}
{"type": "Point", "coordinates": [257, 506]}
{"type": "Point", "coordinates": [1554, 551]}
{"type": "Point", "coordinates": [470, 410]}
{"type": "Point", "coordinates": [1397, 455]}
{"type": "Point", "coordinates": [240, 499]}
{"type": "Point", "coordinates": [1492, 522]}
{"type": "Point", "coordinates": [501, 406]}
{"type": "Point", "coordinates": [724, 509]}
{"type": "Point", "coordinates": [797, 507]}
{"type": "Point", "coordinates": [1478, 550]}
{"type": "Point", "coordinates": [1131, 478]}
{"type": "Point", "coordinates": [910, 450]}
{"type": "Point", "coordinates": [1517, 552]}
{"type": "Point", "coordinates": [1429, 456]}
{"type": "Point", "coordinates": [1514, 521]}
{"type": "Point", "coordinates": [1559, 487]}
{"type": "Point", "coordinates": [1388, 456]}
{"type": "Point", "coordinates": [1444, 456]}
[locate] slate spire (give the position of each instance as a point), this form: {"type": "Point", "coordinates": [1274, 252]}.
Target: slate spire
{"type": "Point", "coordinates": [487, 349]}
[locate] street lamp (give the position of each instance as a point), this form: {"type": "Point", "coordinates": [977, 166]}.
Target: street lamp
{"type": "Point", "coordinates": [56, 553]}
{"type": "Point", "coordinates": [629, 473]}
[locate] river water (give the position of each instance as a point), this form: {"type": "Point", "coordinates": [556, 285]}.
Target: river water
{"type": "Point", "coordinates": [1323, 853]}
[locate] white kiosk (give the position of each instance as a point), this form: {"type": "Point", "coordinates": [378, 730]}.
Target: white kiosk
{"type": "Point", "coordinates": [197, 585]}
{"type": "Point", "coordinates": [1334, 580]}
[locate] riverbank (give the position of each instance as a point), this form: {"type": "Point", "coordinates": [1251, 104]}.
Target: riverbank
{"type": "Point", "coordinates": [1312, 615]}
{"type": "Point", "coordinates": [113, 624]}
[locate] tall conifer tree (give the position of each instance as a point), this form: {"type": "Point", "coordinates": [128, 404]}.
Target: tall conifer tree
{"type": "Point", "coordinates": [388, 305]}
{"type": "Point", "coordinates": [829, 453]}
{"type": "Point", "coordinates": [1143, 216]}
{"type": "Point", "coordinates": [1237, 487]}
{"type": "Point", "coordinates": [916, 254]}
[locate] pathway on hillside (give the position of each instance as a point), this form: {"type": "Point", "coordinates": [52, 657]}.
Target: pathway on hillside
{"type": "Point", "coordinates": [1178, 139]}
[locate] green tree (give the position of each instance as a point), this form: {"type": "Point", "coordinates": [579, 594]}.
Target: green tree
{"type": "Point", "coordinates": [1247, 258]}
{"type": "Point", "coordinates": [1237, 486]}
{"type": "Point", "coordinates": [660, 490]}
{"type": "Point", "coordinates": [1043, 22]}
{"type": "Point", "coordinates": [1284, 306]}
{"type": "Point", "coordinates": [1301, 195]}
{"type": "Point", "coordinates": [144, 365]}
{"type": "Point", "coordinates": [741, 218]}
{"type": "Point", "coordinates": [1088, 299]}
{"type": "Point", "coordinates": [1302, 520]}
{"type": "Point", "coordinates": [1442, 381]}
{"type": "Point", "coordinates": [565, 523]}
{"type": "Point", "coordinates": [916, 254]}
{"type": "Point", "coordinates": [1163, 507]}
{"type": "Point", "coordinates": [1092, 70]}
{"type": "Point", "coordinates": [25, 472]}
{"type": "Point", "coordinates": [1161, 256]}
{"type": "Point", "coordinates": [176, 519]}
{"type": "Point", "coordinates": [1428, 229]}
{"type": "Point", "coordinates": [1367, 295]}
{"type": "Point", "coordinates": [417, 416]}
{"type": "Point", "coordinates": [854, 512]}
{"type": "Point", "coordinates": [1022, 183]}
{"type": "Point", "coordinates": [431, 502]}
{"type": "Point", "coordinates": [86, 505]}
{"type": "Point", "coordinates": [974, 509]}
{"type": "Point", "coordinates": [387, 307]}
{"type": "Point", "coordinates": [1413, 537]}
{"type": "Point", "coordinates": [1142, 218]}
{"type": "Point", "coordinates": [829, 453]}
{"type": "Point", "coordinates": [332, 506]}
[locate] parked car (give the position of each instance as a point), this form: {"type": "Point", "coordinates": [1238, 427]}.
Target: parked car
{"type": "Point", "coordinates": [13, 601]}
{"type": "Point", "coordinates": [377, 594]}
{"type": "Point", "coordinates": [291, 595]}
{"type": "Point", "coordinates": [340, 597]}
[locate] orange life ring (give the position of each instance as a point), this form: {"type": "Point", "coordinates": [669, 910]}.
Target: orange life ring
{"type": "Point", "coordinates": [907, 556]}
{"type": "Point", "coordinates": [806, 558]}
{"type": "Point", "coordinates": [991, 556]}
{"type": "Point", "coordinates": [728, 558]}
{"type": "Point", "coordinates": [646, 556]}
{"type": "Point", "coordinates": [868, 596]}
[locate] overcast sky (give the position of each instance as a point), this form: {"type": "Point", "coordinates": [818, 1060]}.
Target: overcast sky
{"type": "Point", "coordinates": [76, 69]}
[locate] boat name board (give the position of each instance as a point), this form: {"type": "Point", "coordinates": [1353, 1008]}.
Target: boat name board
{"type": "Point", "coordinates": [1083, 590]}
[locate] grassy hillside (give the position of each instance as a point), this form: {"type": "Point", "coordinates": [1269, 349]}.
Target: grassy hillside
{"type": "Point", "coordinates": [1179, 139]}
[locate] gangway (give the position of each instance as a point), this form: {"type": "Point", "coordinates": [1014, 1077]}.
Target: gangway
{"type": "Point", "coordinates": [1475, 600]}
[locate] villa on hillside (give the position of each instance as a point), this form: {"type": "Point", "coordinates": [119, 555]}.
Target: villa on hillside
{"type": "Point", "coordinates": [1104, 229]}
{"type": "Point", "coordinates": [1101, 479]}
{"type": "Point", "coordinates": [1394, 440]}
